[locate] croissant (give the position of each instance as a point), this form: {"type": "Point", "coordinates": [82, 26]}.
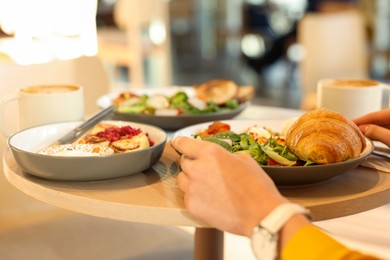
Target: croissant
{"type": "Point", "coordinates": [323, 136]}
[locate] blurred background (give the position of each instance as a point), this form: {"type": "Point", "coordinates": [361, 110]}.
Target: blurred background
{"type": "Point", "coordinates": [282, 47]}
{"type": "Point", "coordinates": [266, 43]}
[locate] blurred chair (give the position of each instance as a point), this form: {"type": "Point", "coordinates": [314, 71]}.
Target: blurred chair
{"type": "Point", "coordinates": [335, 45]}
{"type": "Point", "coordinates": [140, 41]}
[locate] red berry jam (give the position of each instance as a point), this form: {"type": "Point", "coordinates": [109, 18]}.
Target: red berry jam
{"type": "Point", "coordinates": [116, 133]}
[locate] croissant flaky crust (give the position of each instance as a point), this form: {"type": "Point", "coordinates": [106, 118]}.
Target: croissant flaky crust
{"type": "Point", "coordinates": [323, 136]}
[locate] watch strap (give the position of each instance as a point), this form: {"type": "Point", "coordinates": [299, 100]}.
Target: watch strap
{"type": "Point", "coordinates": [277, 218]}
{"type": "Point", "coordinates": [265, 235]}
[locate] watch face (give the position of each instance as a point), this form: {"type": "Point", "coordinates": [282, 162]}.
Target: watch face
{"type": "Point", "coordinates": [264, 244]}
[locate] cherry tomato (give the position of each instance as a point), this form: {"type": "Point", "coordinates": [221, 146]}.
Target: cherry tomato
{"type": "Point", "coordinates": [272, 162]}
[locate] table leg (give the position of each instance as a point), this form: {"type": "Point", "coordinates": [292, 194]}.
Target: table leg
{"type": "Point", "coordinates": [208, 244]}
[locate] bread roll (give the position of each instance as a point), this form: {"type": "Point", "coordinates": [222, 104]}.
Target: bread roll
{"type": "Point", "coordinates": [323, 136]}
{"type": "Point", "coordinates": [217, 91]}
{"type": "Point", "coordinates": [245, 93]}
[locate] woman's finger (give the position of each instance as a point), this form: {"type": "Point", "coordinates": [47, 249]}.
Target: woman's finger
{"type": "Point", "coordinates": [381, 117]}
{"type": "Point", "coordinates": [376, 133]}
{"type": "Point", "coordinates": [194, 149]}
{"type": "Point", "coordinates": [185, 163]}
{"type": "Point", "coordinates": [186, 145]}
{"type": "Point", "coordinates": [182, 181]}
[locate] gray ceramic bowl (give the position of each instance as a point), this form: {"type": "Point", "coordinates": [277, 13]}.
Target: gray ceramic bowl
{"type": "Point", "coordinates": [25, 144]}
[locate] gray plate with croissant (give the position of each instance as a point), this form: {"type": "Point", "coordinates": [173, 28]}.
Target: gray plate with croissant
{"type": "Point", "coordinates": [334, 143]}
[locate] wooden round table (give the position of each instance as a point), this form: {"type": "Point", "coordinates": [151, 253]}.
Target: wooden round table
{"type": "Point", "coordinates": [153, 197]}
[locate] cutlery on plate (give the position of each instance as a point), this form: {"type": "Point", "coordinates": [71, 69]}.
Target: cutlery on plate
{"type": "Point", "coordinates": [81, 129]}
{"type": "Point", "coordinates": [381, 151]}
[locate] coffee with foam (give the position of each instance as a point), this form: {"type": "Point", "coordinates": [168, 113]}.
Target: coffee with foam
{"type": "Point", "coordinates": [353, 83]}
{"type": "Point", "coordinates": [351, 97]}
{"type": "Point", "coordinates": [50, 89]}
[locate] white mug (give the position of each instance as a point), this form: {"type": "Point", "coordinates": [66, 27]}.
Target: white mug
{"type": "Point", "coordinates": [44, 104]}
{"type": "Point", "coordinates": [351, 97]}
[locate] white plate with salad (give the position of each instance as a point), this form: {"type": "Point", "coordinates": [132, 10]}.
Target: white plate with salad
{"type": "Point", "coordinates": [150, 106]}
{"type": "Point", "coordinates": [285, 170]}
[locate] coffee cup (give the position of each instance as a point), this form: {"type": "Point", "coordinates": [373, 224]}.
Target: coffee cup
{"type": "Point", "coordinates": [351, 97]}
{"type": "Point", "coordinates": [44, 104]}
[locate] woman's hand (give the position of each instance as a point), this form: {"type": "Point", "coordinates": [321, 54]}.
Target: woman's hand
{"type": "Point", "coordinates": [376, 126]}
{"type": "Point", "coordinates": [228, 191]}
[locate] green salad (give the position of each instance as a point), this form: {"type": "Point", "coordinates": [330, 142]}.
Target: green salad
{"type": "Point", "coordinates": [177, 104]}
{"type": "Point", "coordinates": [271, 152]}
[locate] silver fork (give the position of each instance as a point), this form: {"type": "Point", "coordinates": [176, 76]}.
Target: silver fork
{"type": "Point", "coordinates": [381, 151]}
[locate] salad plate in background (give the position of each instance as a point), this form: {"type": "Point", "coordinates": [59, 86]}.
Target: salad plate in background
{"type": "Point", "coordinates": [194, 111]}
{"type": "Point", "coordinates": [286, 175]}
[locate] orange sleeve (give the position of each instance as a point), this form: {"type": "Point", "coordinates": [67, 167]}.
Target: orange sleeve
{"type": "Point", "coordinates": [312, 243]}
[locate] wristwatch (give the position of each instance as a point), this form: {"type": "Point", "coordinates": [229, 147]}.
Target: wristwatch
{"type": "Point", "coordinates": [264, 238]}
